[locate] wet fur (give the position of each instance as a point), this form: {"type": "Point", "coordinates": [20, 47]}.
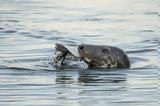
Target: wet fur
{"type": "Point", "coordinates": [104, 57]}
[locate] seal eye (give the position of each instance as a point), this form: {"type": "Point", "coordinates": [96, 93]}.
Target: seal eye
{"type": "Point", "coordinates": [105, 51]}
{"type": "Point", "coordinates": [81, 47]}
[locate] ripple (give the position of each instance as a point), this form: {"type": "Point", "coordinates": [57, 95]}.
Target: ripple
{"type": "Point", "coordinates": [69, 41]}
{"type": "Point", "coordinates": [136, 59]}
{"type": "Point", "coordinates": [56, 38]}
{"type": "Point", "coordinates": [9, 31]}
{"type": "Point", "coordinates": [24, 60]}
{"type": "Point", "coordinates": [151, 13]}
{"type": "Point", "coordinates": [103, 20]}
{"type": "Point", "coordinates": [142, 51]}
{"type": "Point", "coordinates": [43, 34]}
{"type": "Point", "coordinates": [31, 35]}
{"type": "Point", "coordinates": [25, 33]}
{"type": "Point", "coordinates": [147, 30]}
{"type": "Point", "coordinates": [96, 36]}
{"type": "Point", "coordinates": [16, 69]}
{"type": "Point", "coordinates": [9, 21]}
{"type": "Point", "coordinates": [1, 28]}
{"type": "Point", "coordinates": [94, 19]}
{"type": "Point", "coordinates": [9, 13]}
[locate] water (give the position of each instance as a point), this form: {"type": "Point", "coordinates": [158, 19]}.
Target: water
{"type": "Point", "coordinates": [29, 29]}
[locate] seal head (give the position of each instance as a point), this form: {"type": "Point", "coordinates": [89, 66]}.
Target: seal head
{"type": "Point", "coordinates": [103, 56]}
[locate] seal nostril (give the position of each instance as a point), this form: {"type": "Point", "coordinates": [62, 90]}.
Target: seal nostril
{"type": "Point", "coordinates": [81, 47]}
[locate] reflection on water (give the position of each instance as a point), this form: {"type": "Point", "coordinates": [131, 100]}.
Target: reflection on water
{"type": "Point", "coordinates": [29, 29]}
{"type": "Point", "coordinates": [89, 87]}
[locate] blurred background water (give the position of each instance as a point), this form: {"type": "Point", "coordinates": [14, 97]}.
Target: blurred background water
{"type": "Point", "coordinates": [30, 28]}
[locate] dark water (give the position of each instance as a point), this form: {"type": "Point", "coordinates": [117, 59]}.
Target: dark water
{"type": "Point", "coordinates": [29, 29]}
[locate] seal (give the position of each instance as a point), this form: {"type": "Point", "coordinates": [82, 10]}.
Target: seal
{"type": "Point", "coordinates": [95, 56]}
{"type": "Point", "coordinates": [103, 56]}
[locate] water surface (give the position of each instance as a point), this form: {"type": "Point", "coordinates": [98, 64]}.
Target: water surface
{"type": "Point", "coordinates": [29, 29]}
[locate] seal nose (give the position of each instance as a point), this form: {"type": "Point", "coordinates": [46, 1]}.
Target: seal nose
{"type": "Point", "coordinates": [81, 47]}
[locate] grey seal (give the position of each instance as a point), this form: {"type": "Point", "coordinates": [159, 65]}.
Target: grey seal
{"type": "Point", "coordinates": [95, 56]}
{"type": "Point", "coordinates": [103, 56]}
